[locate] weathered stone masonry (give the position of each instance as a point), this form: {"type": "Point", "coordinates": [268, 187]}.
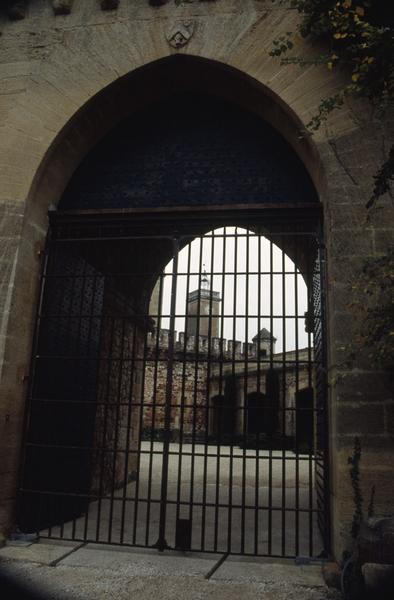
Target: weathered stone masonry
{"type": "Point", "coordinates": [195, 385]}
{"type": "Point", "coordinates": [66, 79]}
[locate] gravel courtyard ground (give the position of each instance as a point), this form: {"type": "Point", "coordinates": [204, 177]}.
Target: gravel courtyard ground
{"type": "Point", "coordinates": [53, 571]}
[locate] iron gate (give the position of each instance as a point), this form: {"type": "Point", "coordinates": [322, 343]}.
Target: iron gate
{"type": "Point", "coordinates": [177, 394]}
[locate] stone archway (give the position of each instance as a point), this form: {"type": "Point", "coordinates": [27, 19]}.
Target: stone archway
{"type": "Point", "coordinates": [63, 93]}
{"type": "Point", "coordinates": [255, 404]}
{"type": "Point", "coordinates": [161, 177]}
{"type": "Point", "coordinates": [36, 211]}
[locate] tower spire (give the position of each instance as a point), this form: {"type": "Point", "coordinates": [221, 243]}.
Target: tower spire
{"type": "Point", "coordinates": [205, 283]}
{"type": "Point", "coordinates": [202, 316]}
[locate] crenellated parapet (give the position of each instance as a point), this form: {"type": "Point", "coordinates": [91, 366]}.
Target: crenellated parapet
{"type": "Point", "coordinates": [159, 340]}
{"type": "Point", "coordinates": [213, 346]}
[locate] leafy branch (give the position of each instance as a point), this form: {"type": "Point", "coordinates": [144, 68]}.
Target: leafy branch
{"type": "Point", "coordinates": [359, 37]}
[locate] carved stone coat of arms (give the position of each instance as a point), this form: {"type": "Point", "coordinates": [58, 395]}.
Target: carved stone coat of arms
{"type": "Point", "coordinates": [180, 34]}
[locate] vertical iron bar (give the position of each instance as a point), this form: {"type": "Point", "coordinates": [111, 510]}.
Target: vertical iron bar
{"type": "Point", "coordinates": [108, 363]}
{"type": "Point", "coordinates": [158, 365]}
{"type": "Point", "coordinates": [271, 349]}
{"type": "Point", "coordinates": [284, 407]}
{"type": "Point", "coordinates": [69, 321]}
{"type": "Point", "coordinates": [207, 400]}
{"type": "Point", "coordinates": [323, 383]}
{"type": "Point", "coordinates": [161, 543]}
{"type": "Point", "coordinates": [184, 395]}
{"type": "Point", "coordinates": [91, 317]}
{"type": "Point", "coordinates": [220, 390]}
{"type": "Point", "coordinates": [258, 369]}
{"type": "Point", "coordinates": [115, 442]}
{"type": "Point", "coordinates": [130, 410]}
{"type": "Point", "coordinates": [195, 392]}
{"type": "Point", "coordinates": [78, 348]}
{"type": "Point", "coordinates": [311, 412]}
{"type": "Point", "coordinates": [233, 390]}
{"type": "Point", "coordinates": [140, 423]}
{"type": "Point", "coordinates": [297, 383]}
{"type": "Point", "coordinates": [245, 393]}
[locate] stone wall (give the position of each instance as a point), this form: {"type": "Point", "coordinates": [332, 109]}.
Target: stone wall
{"type": "Point", "coordinates": [117, 420]}
{"type": "Point", "coordinates": [65, 80]}
{"type": "Point", "coordinates": [195, 385]}
{"type": "Point", "coordinates": [189, 383]}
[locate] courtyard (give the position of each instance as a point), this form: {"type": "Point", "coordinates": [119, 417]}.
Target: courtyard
{"type": "Point", "coordinates": [239, 501]}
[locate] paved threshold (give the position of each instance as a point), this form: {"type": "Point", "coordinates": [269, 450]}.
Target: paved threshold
{"type": "Point", "coordinates": [51, 570]}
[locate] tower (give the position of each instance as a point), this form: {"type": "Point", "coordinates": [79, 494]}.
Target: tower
{"type": "Point", "coordinates": [202, 312]}
{"type": "Point", "coordinates": [263, 341]}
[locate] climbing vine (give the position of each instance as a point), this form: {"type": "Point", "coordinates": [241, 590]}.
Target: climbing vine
{"type": "Point", "coordinates": [358, 36]}
{"type": "Point", "coordinates": [359, 40]}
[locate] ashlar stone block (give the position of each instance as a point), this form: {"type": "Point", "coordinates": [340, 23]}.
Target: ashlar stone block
{"type": "Point", "coordinates": [62, 7]}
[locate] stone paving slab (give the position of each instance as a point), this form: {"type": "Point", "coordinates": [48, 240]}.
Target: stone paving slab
{"type": "Point", "coordinates": [43, 553]}
{"type": "Point", "coordinates": [241, 568]}
{"type": "Point", "coordinates": [141, 562]}
{"type": "Point", "coordinates": [95, 572]}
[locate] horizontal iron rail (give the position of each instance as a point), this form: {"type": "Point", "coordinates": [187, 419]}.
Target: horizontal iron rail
{"type": "Point", "coordinates": [261, 456]}
{"type": "Point", "coordinates": [223, 505]}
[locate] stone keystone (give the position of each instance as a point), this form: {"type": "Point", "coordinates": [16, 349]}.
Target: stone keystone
{"type": "Point", "coordinates": [180, 34]}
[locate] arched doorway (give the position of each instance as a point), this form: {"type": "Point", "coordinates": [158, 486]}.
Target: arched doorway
{"type": "Point", "coordinates": [222, 428]}
{"type": "Point", "coordinates": [105, 371]}
{"type": "Point", "coordinates": [256, 408]}
{"type": "Point", "coordinates": [304, 419]}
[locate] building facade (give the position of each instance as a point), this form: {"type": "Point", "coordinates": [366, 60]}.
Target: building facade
{"type": "Point", "coordinates": [222, 395]}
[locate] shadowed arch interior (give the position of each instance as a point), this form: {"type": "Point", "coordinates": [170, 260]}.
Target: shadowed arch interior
{"type": "Point", "coordinates": [189, 150]}
{"type": "Point", "coordinates": [155, 82]}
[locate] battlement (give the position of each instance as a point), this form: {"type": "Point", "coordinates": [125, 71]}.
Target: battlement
{"type": "Point", "coordinates": [214, 346]}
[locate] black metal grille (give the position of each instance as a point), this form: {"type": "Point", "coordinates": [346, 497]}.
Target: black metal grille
{"type": "Point", "coordinates": [191, 150]}
{"type": "Point", "coordinates": [161, 413]}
